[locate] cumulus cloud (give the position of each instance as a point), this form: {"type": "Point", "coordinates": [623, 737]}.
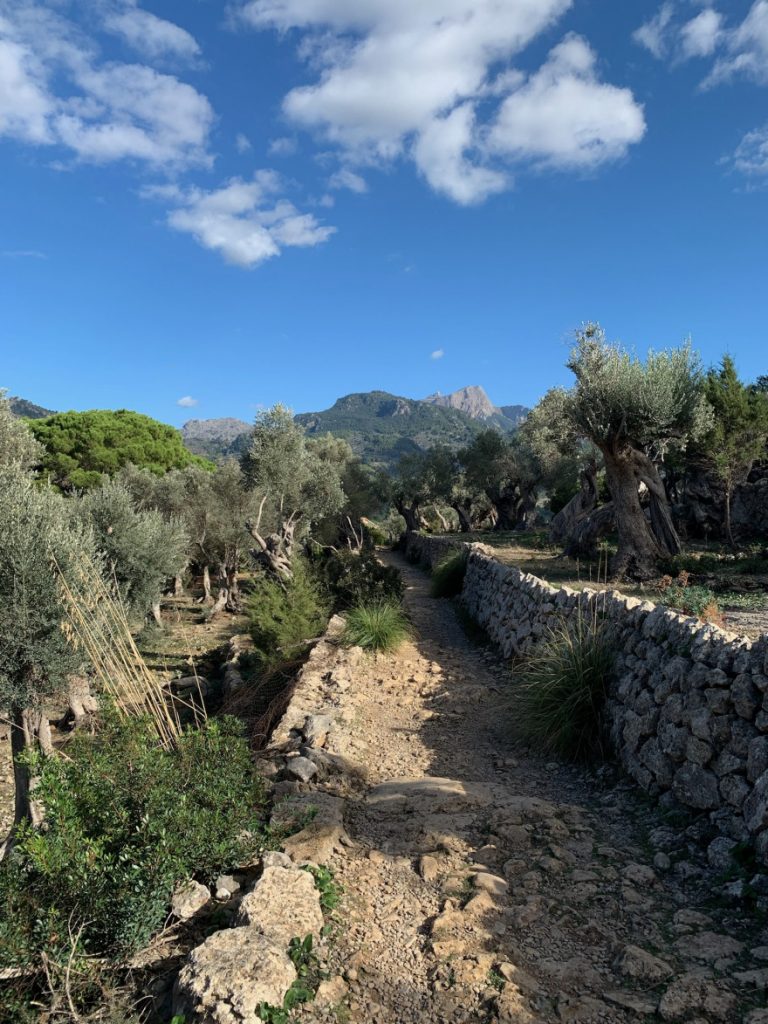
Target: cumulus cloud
{"type": "Point", "coordinates": [345, 178]}
{"type": "Point", "coordinates": [441, 155]}
{"type": "Point", "coordinates": [399, 79]}
{"type": "Point", "coordinates": [152, 36]}
{"type": "Point", "coordinates": [243, 221]}
{"type": "Point", "coordinates": [187, 402]}
{"type": "Point", "coordinates": [565, 117]}
{"type": "Point", "coordinates": [437, 354]}
{"type": "Point", "coordinates": [242, 143]}
{"type": "Point", "coordinates": [54, 90]}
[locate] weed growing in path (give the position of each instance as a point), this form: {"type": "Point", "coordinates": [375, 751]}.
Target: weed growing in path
{"type": "Point", "coordinates": [381, 626]}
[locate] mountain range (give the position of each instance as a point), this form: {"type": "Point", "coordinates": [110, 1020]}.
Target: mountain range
{"type": "Point", "coordinates": [380, 427]}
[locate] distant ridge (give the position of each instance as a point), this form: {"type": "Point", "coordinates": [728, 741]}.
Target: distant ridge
{"type": "Point", "coordinates": [28, 410]}
{"type": "Point", "coordinates": [217, 438]}
{"type": "Point", "coordinates": [475, 403]}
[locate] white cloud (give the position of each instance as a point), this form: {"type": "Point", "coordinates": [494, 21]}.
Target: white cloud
{"type": "Point", "coordinates": [242, 143]}
{"type": "Point", "coordinates": [565, 117]}
{"type": "Point", "coordinates": [404, 79]}
{"type": "Point", "coordinates": [440, 153]}
{"type": "Point", "coordinates": [738, 50]}
{"type": "Point", "coordinates": [24, 103]}
{"type": "Point", "coordinates": [700, 36]}
{"type": "Point", "coordinates": [150, 35]}
{"type": "Point", "coordinates": [746, 48]}
{"type": "Point", "coordinates": [284, 146]}
{"type": "Point", "coordinates": [655, 34]}
{"type": "Point", "coordinates": [55, 91]}
{"type": "Point", "coordinates": [751, 155]}
{"type": "Point", "coordinates": [345, 178]}
{"type": "Point", "coordinates": [243, 221]}
{"type": "Point", "coordinates": [437, 354]}
{"type": "Point", "coordinates": [187, 402]}
{"type": "Point", "coordinates": [137, 113]}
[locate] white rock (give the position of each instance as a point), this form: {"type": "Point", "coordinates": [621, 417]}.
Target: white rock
{"type": "Point", "coordinates": [226, 978]}
{"type": "Point", "coordinates": [189, 899]}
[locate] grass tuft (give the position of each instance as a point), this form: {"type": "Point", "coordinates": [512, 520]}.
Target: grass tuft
{"type": "Point", "coordinates": [448, 575]}
{"type": "Point", "coordinates": [380, 626]}
{"type": "Point", "coordinates": [559, 700]}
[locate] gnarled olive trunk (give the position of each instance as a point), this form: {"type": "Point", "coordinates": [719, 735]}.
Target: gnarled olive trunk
{"type": "Point", "coordinates": [643, 542]}
{"type": "Point", "coordinates": [505, 504]}
{"type": "Point", "coordinates": [464, 511]}
{"type": "Point", "coordinates": [275, 552]}
{"type": "Point", "coordinates": [526, 508]}
{"type": "Point", "coordinates": [566, 521]}
{"type": "Point", "coordinates": [410, 514]}
{"type": "Point", "coordinates": [583, 538]}
{"type": "Point", "coordinates": [82, 704]}
{"type": "Point", "coordinates": [234, 604]}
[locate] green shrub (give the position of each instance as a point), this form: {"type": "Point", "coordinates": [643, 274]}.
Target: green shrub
{"type": "Point", "coordinates": [125, 821]}
{"type": "Point", "coordinates": [381, 626]}
{"type": "Point", "coordinates": [448, 575]}
{"type": "Point", "coordinates": [360, 579]}
{"type": "Point", "coordinates": [284, 617]}
{"type": "Point", "coordinates": [559, 699]}
{"type": "Point", "coordinates": [691, 600]}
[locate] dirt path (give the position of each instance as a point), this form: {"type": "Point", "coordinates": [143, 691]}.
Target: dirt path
{"type": "Point", "coordinates": [484, 884]}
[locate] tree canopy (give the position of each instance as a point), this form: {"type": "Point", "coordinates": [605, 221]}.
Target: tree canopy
{"type": "Point", "coordinates": [79, 447]}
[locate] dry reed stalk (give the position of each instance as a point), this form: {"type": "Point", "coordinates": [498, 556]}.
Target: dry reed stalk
{"type": "Point", "coordinates": [98, 624]}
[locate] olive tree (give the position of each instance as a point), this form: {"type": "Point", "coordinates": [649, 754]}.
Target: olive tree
{"type": "Point", "coordinates": [507, 471]}
{"type": "Point", "coordinates": [142, 549]}
{"type": "Point", "coordinates": [39, 538]}
{"type": "Point", "coordinates": [634, 412]}
{"type": "Point", "coordinates": [296, 484]}
{"type": "Point", "coordinates": [17, 443]}
{"type": "Point", "coordinates": [570, 462]}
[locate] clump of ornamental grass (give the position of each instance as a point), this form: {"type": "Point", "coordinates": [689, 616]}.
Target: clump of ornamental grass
{"type": "Point", "coordinates": [559, 699]}
{"type": "Point", "coordinates": [448, 575]}
{"type": "Point", "coordinates": [378, 627]}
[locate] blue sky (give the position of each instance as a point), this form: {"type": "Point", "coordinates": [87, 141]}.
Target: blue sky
{"type": "Point", "coordinates": [231, 205]}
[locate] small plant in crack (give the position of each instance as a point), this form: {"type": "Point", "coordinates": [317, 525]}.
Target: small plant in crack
{"type": "Point", "coordinates": [309, 975]}
{"type": "Point", "coordinates": [496, 980]}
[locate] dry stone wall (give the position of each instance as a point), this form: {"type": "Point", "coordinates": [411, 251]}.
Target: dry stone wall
{"type": "Point", "coordinates": [688, 707]}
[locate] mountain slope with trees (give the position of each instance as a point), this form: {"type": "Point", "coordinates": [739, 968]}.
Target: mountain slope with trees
{"type": "Point", "coordinates": [381, 427]}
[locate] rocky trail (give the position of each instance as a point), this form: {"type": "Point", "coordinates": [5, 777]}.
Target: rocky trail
{"type": "Point", "coordinates": [484, 884]}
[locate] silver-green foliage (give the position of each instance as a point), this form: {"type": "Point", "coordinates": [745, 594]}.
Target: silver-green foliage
{"type": "Point", "coordinates": [39, 536]}
{"type": "Point", "coordinates": [619, 399]}
{"type": "Point", "coordinates": [18, 446]}
{"type": "Point", "coordinates": [141, 548]}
